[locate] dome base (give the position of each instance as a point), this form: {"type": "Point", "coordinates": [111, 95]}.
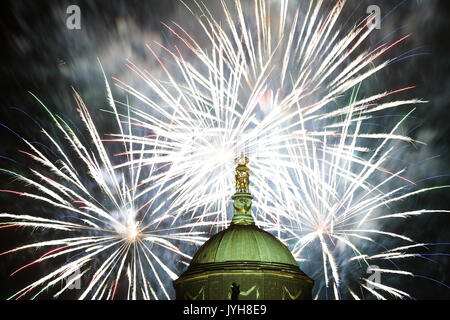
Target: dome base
{"type": "Point", "coordinates": [244, 281]}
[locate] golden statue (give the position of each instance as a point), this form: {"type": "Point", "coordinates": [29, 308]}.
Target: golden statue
{"type": "Point", "coordinates": [242, 174]}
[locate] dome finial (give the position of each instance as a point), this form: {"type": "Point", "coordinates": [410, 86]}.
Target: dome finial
{"type": "Point", "coordinates": [242, 198]}
{"type": "Point", "coordinates": [242, 174]}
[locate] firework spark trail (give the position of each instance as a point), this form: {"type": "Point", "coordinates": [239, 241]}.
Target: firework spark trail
{"type": "Point", "coordinates": [112, 233]}
{"type": "Point", "coordinates": [272, 88]}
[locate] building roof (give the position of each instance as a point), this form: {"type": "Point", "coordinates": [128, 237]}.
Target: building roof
{"type": "Point", "coordinates": [243, 243]}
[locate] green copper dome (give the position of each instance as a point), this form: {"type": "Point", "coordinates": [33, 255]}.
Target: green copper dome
{"type": "Point", "coordinates": [243, 262]}
{"type": "Point", "coordinates": [243, 243]}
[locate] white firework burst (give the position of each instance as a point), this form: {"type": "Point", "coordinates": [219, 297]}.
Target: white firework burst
{"type": "Point", "coordinates": [98, 221]}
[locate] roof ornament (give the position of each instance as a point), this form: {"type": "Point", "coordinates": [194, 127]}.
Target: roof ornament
{"type": "Point", "coordinates": [242, 174]}
{"type": "Point", "coordinates": [242, 198]}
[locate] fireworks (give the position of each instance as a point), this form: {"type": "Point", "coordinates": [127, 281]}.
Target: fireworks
{"type": "Point", "coordinates": [269, 82]}
{"type": "Point", "coordinates": [106, 229]}
{"type": "Point", "coordinates": [334, 210]}
{"type": "Point", "coordinates": [272, 89]}
{"type": "Point", "coordinates": [202, 119]}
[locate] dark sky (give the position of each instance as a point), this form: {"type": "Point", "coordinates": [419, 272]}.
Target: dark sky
{"type": "Point", "coordinates": [39, 54]}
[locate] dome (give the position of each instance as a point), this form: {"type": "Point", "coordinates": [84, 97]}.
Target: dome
{"type": "Point", "coordinates": [243, 262]}
{"type": "Point", "coordinates": [255, 244]}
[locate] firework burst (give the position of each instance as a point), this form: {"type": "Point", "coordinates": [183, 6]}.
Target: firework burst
{"type": "Point", "coordinates": [251, 92]}
{"type": "Point", "coordinates": [107, 231]}
{"type": "Point", "coordinates": [337, 211]}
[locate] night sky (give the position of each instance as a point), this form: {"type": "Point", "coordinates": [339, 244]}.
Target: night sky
{"type": "Point", "coordinates": [40, 55]}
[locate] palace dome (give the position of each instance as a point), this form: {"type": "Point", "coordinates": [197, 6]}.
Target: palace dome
{"type": "Point", "coordinates": [243, 262]}
{"type": "Point", "coordinates": [243, 243]}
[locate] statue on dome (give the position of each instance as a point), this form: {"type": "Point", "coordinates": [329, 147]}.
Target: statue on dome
{"type": "Point", "coordinates": [242, 174]}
